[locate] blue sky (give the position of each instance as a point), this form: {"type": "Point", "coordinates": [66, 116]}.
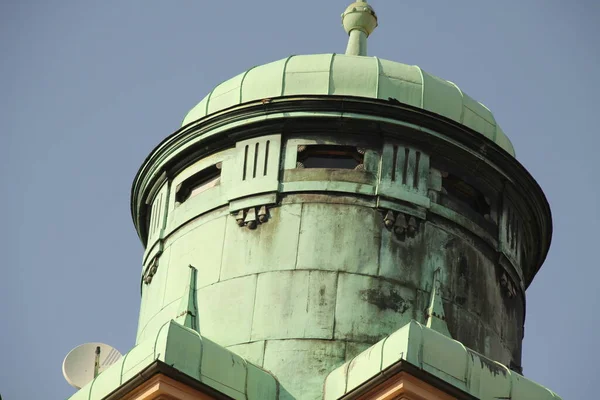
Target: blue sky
{"type": "Point", "coordinates": [88, 88]}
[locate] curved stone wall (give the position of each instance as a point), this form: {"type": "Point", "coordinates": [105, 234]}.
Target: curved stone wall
{"type": "Point", "coordinates": [327, 272]}
{"type": "Point", "coordinates": [301, 267]}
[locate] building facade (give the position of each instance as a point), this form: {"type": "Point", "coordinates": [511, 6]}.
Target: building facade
{"type": "Point", "coordinates": [333, 226]}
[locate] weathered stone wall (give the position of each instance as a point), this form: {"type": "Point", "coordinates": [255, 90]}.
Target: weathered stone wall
{"type": "Point", "coordinates": [300, 269]}
{"type": "Point", "coordinates": [330, 273]}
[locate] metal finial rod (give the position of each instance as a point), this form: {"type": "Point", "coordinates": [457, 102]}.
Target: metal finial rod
{"type": "Point", "coordinates": [359, 21]}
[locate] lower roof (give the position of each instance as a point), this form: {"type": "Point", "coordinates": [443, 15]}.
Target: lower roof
{"type": "Point", "coordinates": [214, 369]}
{"type": "Point", "coordinates": [442, 357]}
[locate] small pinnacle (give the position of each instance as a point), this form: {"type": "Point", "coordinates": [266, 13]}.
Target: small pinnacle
{"type": "Point", "coordinates": [187, 314]}
{"type": "Point", "coordinates": [436, 318]}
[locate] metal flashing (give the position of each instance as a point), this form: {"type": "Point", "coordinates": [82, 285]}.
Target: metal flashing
{"type": "Point", "coordinates": [432, 357]}
{"type": "Point", "coordinates": [182, 354]}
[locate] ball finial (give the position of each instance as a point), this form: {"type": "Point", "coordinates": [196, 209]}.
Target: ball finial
{"type": "Point", "coordinates": [359, 16]}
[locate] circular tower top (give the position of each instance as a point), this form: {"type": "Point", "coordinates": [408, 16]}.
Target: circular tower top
{"type": "Point", "coordinates": [353, 74]}
{"type": "Point", "coordinates": [347, 75]}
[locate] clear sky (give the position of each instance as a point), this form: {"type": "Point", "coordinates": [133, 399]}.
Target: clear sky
{"type": "Point", "coordinates": [88, 88]}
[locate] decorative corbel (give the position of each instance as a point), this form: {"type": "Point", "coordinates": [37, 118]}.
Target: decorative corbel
{"type": "Point", "coordinates": [151, 270]}
{"type": "Point", "coordinates": [402, 225]}
{"type": "Point", "coordinates": [252, 217]}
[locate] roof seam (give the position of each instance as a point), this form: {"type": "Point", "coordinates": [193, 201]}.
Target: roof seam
{"type": "Point", "coordinates": [462, 99]}
{"type": "Point", "coordinates": [306, 72]}
{"type": "Point", "coordinates": [208, 101]}
{"type": "Point", "coordinates": [495, 123]}
{"type": "Point", "coordinates": [393, 78]}
{"type": "Point", "coordinates": [330, 77]}
{"type": "Point", "coordinates": [284, 73]}
{"type": "Point", "coordinates": [479, 115]}
{"type": "Point", "coordinates": [242, 84]}
{"type": "Point", "coordinates": [422, 87]}
{"type": "Point", "coordinates": [123, 365]}
{"type": "Point", "coordinates": [382, 353]}
{"type": "Point", "coordinates": [378, 66]}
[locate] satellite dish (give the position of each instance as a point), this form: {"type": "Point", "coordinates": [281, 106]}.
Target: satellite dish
{"type": "Point", "coordinates": [86, 361]}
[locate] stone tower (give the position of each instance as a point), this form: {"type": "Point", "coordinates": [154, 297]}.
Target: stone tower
{"type": "Point", "coordinates": [311, 207]}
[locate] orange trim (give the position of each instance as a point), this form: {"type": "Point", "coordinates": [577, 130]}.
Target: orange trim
{"type": "Point", "coordinates": [405, 386]}
{"type": "Point", "coordinates": [161, 387]}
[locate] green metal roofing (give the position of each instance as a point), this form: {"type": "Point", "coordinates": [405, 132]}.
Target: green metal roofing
{"type": "Point", "coordinates": [347, 75]}
{"type": "Point", "coordinates": [193, 355]}
{"type": "Point", "coordinates": [445, 358]}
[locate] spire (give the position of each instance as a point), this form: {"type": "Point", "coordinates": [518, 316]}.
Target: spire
{"type": "Point", "coordinates": [187, 314]}
{"type": "Point", "coordinates": [436, 318]}
{"type": "Point", "coordinates": [359, 21]}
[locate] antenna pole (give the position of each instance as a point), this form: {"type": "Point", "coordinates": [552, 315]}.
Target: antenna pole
{"type": "Point", "coordinates": [97, 362]}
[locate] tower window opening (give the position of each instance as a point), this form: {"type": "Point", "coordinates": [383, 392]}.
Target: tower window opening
{"type": "Point", "coordinates": [198, 183]}
{"type": "Point", "coordinates": [329, 156]}
{"type": "Point", "coordinates": [467, 194]}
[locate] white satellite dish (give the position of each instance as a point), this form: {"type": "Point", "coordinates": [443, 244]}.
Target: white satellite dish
{"type": "Point", "coordinates": [86, 361]}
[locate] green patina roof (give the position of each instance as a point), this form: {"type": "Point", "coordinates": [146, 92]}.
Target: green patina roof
{"type": "Point", "coordinates": [348, 75]}
{"type": "Point", "coordinates": [193, 355]}
{"type": "Point", "coordinates": [443, 357]}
